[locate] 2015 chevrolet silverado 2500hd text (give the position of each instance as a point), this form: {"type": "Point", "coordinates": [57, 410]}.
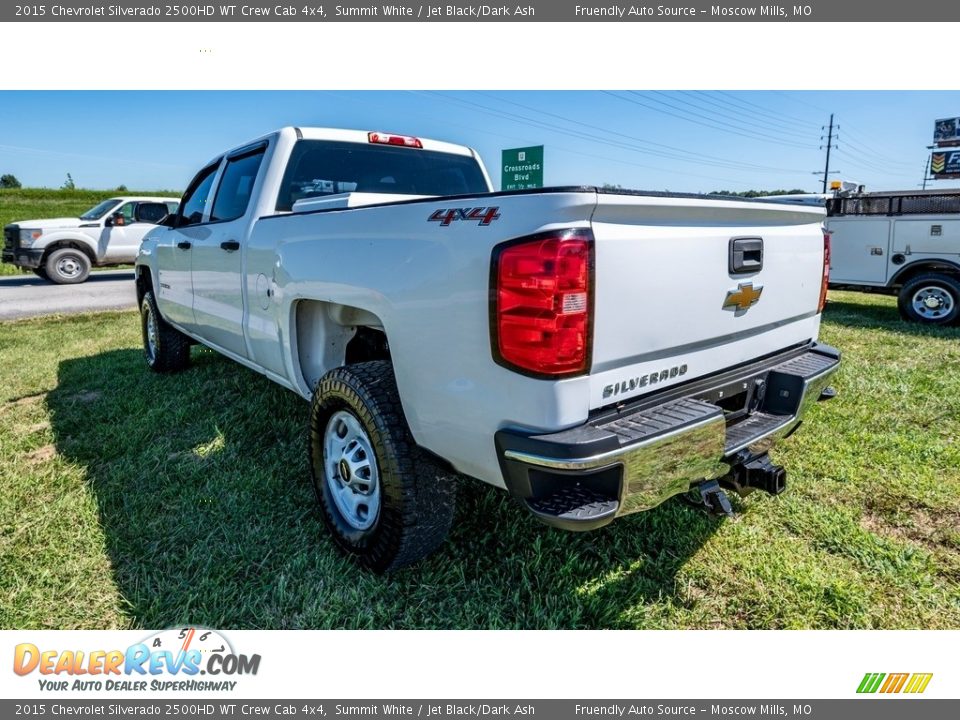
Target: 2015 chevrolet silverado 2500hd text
{"type": "Point", "coordinates": [593, 353]}
{"type": "Point", "coordinates": [64, 249]}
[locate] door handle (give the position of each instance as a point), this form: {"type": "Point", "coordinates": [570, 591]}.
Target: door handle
{"type": "Point", "coordinates": [230, 245]}
{"type": "Point", "coordinates": [184, 244]}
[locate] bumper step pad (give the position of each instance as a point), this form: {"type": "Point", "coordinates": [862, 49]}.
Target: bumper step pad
{"type": "Point", "coordinates": [671, 417]}
{"type": "Point", "coordinates": [742, 433]}
{"type": "Point", "coordinates": [576, 505]}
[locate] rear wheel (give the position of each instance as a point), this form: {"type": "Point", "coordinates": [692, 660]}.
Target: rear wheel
{"type": "Point", "coordinates": [165, 348]}
{"type": "Point", "coordinates": [931, 298]}
{"type": "Point", "coordinates": [67, 266]}
{"type": "Point", "coordinates": [382, 499]}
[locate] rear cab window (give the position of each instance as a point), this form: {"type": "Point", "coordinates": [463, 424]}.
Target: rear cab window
{"type": "Point", "coordinates": [323, 167]}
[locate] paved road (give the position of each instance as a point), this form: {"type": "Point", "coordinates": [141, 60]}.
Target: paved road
{"type": "Point", "coordinates": [24, 296]}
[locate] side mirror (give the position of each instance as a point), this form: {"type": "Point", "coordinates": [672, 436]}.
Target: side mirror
{"type": "Point", "coordinates": [116, 220]}
{"type": "Point", "coordinates": [169, 221]}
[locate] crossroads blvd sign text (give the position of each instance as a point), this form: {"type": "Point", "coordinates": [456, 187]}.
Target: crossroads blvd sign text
{"type": "Point", "coordinates": [522, 168]}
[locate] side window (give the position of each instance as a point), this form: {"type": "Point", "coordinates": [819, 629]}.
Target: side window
{"type": "Point", "coordinates": [236, 186]}
{"type": "Point", "coordinates": [151, 212]}
{"type": "Point", "coordinates": [127, 211]}
{"type": "Point", "coordinates": [195, 200]}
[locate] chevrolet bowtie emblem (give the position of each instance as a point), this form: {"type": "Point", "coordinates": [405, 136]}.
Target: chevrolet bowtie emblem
{"type": "Point", "coordinates": [743, 298]}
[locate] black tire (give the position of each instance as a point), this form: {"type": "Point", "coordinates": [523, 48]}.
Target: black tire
{"type": "Point", "coordinates": [67, 266]}
{"type": "Point", "coordinates": [416, 497]}
{"type": "Point", "coordinates": [941, 291]}
{"type": "Point", "coordinates": [41, 273]}
{"type": "Point", "coordinates": [168, 350]}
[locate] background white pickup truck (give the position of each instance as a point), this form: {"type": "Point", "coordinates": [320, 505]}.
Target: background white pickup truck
{"type": "Point", "coordinates": [64, 249]}
{"type": "Point", "coordinates": [592, 352]}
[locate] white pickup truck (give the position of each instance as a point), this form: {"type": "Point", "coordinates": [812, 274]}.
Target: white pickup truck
{"type": "Point", "coordinates": [64, 249]}
{"type": "Point", "coordinates": [594, 353]}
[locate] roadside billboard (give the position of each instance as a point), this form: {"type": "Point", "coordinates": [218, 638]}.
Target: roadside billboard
{"type": "Point", "coordinates": [946, 132]}
{"type": "Point", "coordinates": [945, 165]}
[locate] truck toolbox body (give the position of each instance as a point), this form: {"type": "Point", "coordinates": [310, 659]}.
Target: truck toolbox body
{"type": "Point", "coordinates": [593, 352]}
{"type": "Point", "coordinates": [906, 242]}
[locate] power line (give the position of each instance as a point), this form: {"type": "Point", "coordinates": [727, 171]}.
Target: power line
{"type": "Point", "coordinates": [684, 153]}
{"type": "Point", "coordinates": [570, 151]}
{"type": "Point", "coordinates": [715, 99]}
{"type": "Point", "coordinates": [751, 136]}
{"type": "Point", "coordinates": [857, 161]}
{"type": "Point", "coordinates": [805, 122]}
{"type": "Point", "coordinates": [722, 123]}
{"type": "Point", "coordinates": [604, 141]}
{"type": "Point", "coordinates": [619, 160]}
{"type": "Point", "coordinates": [857, 145]}
{"type": "Point", "coordinates": [737, 118]}
{"type": "Point", "coordinates": [792, 96]}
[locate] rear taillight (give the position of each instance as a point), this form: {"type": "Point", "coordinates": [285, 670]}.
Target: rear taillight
{"type": "Point", "coordinates": [388, 139]}
{"type": "Point", "coordinates": [541, 303]}
{"type": "Point", "coordinates": [825, 280]}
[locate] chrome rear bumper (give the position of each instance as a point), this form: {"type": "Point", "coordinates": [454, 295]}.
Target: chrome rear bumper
{"type": "Point", "coordinates": [635, 457]}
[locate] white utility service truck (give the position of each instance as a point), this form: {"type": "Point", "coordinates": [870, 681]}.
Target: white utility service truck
{"type": "Point", "coordinates": [592, 352]}
{"type": "Point", "coordinates": [904, 242]}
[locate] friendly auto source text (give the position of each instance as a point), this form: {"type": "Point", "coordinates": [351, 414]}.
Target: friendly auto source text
{"type": "Point", "coordinates": [619, 11]}
{"type": "Point", "coordinates": [286, 11]}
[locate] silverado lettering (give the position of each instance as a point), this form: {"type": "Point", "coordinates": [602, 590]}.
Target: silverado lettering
{"type": "Point", "coordinates": [625, 386]}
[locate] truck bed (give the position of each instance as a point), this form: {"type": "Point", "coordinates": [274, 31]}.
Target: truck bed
{"type": "Point", "coordinates": [661, 277]}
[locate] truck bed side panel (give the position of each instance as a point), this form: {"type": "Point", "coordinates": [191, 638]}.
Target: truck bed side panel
{"type": "Point", "coordinates": [428, 284]}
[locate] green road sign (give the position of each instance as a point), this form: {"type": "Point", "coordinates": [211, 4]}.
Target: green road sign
{"type": "Point", "coordinates": [522, 168]}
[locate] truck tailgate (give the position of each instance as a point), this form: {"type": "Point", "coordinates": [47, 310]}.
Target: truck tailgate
{"type": "Point", "coordinates": [669, 305]}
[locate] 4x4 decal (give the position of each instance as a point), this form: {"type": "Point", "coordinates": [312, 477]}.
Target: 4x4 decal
{"type": "Point", "coordinates": [483, 215]}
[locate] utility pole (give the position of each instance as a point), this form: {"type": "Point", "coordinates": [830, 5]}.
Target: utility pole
{"type": "Point", "coordinates": [826, 167]}
{"type": "Point", "coordinates": [926, 173]}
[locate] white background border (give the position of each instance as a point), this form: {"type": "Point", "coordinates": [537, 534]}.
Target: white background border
{"type": "Point", "coordinates": [783, 56]}
{"type": "Point", "coordinates": [475, 55]}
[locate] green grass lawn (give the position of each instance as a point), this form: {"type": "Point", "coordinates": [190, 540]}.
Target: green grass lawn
{"type": "Point", "coordinates": [135, 500]}
{"type": "Point", "coordinates": [40, 203]}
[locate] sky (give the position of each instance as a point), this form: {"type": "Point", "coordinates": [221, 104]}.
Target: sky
{"type": "Point", "coordinates": [682, 141]}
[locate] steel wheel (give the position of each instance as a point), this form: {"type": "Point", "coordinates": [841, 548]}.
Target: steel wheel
{"type": "Point", "coordinates": [151, 334]}
{"type": "Point", "coordinates": [933, 302]}
{"type": "Point", "coordinates": [350, 470]}
{"type": "Point", "coordinates": [66, 266]}
{"type": "Point", "coordinates": [69, 267]}
{"type": "Point", "coordinates": [383, 500]}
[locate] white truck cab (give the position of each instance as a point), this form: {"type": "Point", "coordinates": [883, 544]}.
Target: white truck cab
{"type": "Point", "coordinates": [63, 250]}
